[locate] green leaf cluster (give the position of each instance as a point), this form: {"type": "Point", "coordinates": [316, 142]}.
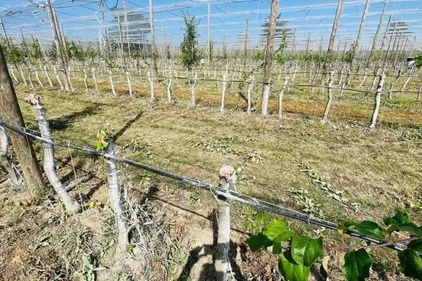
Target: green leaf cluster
{"type": "Point", "coordinates": [104, 135]}
{"type": "Point", "coordinates": [297, 253]}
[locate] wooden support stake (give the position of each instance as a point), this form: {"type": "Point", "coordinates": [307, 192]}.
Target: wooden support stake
{"type": "Point", "coordinates": [377, 102]}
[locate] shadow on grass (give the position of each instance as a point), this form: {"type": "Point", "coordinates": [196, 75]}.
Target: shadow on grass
{"type": "Point", "coordinates": [62, 123]}
{"type": "Point", "coordinates": [127, 126]}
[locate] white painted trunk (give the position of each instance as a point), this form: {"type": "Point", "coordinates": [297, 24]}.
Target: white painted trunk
{"type": "Point", "coordinates": [85, 80]}
{"type": "Point", "coordinates": [38, 78]}
{"type": "Point", "coordinates": [114, 197]}
{"type": "Point", "coordinates": [13, 74]}
{"type": "Point", "coordinates": [23, 77]}
{"type": "Point", "coordinates": [193, 97]}
{"type": "Point", "coordinates": [71, 206]}
{"type": "Point", "coordinates": [265, 97]}
{"type": "Point", "coordinates": [4, 160]}
{"type": "Point", "coordinates": [169, 85]}
{"type": "Point", "coordinates": [377, 103]}
{"type": "Point", "coordinates": [129, 84]}
{"type": "Point", "coordinates": [95, 79]}
{"type": "Point", "coordinates": [223, 94]}
{"type": "Point", "coordinates": [58, 78]}
{"type": "Point", "coordinates": [151, 85]}
{"type": "Point", "coordinates": [48, 76]}
{"type": "Point", "coordinates": [280, 97]}
{"type": "Point", "coordinates": [250, 88]}
{"type": "Point", "coordinates": [329, 99]}
{"type": "Point", "coordinates": [364, 77]}
{"type": "Point", "coordinates": [222, 262]}
{"type": "Point", "coordinates": [110, 74]}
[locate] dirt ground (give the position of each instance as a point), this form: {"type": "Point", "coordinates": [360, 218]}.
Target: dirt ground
{"type": "Point", "coordinates": [370, 174]}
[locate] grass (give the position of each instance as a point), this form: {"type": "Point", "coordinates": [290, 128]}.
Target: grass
{"type": "Point", "coordinates": [379, 170]}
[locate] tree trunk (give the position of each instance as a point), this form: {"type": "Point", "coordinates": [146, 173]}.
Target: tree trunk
{"type": "Point", "coordinates": [250, 88]}
{"type": "Point", "coordinates": [269, 56]}
{"type": "Point", "coordinates": [329, 99]}
{"type": "Point", "coordinates": [377, 103]}
{"type": "Point", "coordinates": [71, 206]}
{"type": "Point", "coordinates": [4, 160]}
{"type": "Point", "coordinates": [114, 197]}
{"type": "Point", "coordinates": [222, 263]}
{"type": "Point", "coordinates": [223, 94]}
{"type": "Point", "coordinates": [280, 98]}
{"type": "Point", "coordinates": [11, 114]}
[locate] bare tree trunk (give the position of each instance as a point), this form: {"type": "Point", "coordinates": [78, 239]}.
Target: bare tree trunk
{"type": "Point", "coordinates": [269, 56]}
{"type": "Point", "coordinates": [377, 103]}
{"type": "Point", "coordinates": [85, 81]}
{"type": "Point", "coordinates": [58, 78]}
{"type": "Point", "coordinates": [11, 114]}
{"type": "Point", "coordinates": [71, 206]}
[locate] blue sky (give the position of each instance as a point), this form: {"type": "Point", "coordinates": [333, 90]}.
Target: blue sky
{"type": "Point", "coordinates": [314, 17]}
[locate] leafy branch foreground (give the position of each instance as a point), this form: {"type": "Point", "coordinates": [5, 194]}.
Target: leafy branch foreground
{"type": "Point", "coordinates": [297, 253]}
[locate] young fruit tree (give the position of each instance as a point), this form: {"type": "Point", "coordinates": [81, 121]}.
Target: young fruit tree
{"type": "Point", "coordinates": [190, 54]}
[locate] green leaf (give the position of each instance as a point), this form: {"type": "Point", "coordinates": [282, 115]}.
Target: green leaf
{"type": "Point", "coordinates": [290, 270]}
{"type": "Point", "coordinates": [366, 228]}
{"type": "Point", "coordinates": [399, 218]}
{"type": "Point", "coordinates": [305, 250]}
{"type": "Point", "coordinates": [410, 264]}
{"type": "Point", "coordinates": [356, 265]}
{"type": "Point", "coordinates": [369, 228]}
{"type": "Point", "coordinates": [411, 228]}
{"type": "Point", "coordinates": [415, 245]}
{"type": "Point", "coordinates": [391, 228]}
{"type": "Point", "coordinates": [275, 228]}
{"type": "Point", "coordinates": [258, 241]}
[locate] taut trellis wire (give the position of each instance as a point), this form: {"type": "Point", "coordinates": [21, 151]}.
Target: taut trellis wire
{"type": "Point", "coordinates": [219, 193]}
